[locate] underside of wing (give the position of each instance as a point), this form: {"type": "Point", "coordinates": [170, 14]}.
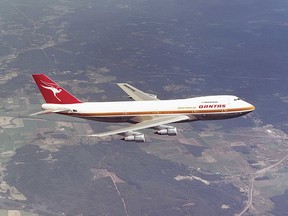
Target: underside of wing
{"type": "Point", "coordinates": [135, 93]}
{"type": "Point", "coordinates": [157, 121]}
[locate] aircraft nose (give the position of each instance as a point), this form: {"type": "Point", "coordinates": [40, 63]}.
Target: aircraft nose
{"type": "Point", "coordinates": [250, 106]}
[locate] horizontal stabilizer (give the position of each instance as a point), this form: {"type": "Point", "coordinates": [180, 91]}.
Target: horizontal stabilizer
{"type": "Point", "coordinates": [49, 111]}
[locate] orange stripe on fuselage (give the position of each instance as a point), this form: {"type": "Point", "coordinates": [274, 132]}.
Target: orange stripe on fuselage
{"type": "Point", "coordinates": [188, 112]}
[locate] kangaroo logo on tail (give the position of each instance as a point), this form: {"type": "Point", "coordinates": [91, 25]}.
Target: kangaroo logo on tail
{"type": "Point", "coordinates": [52, 87]}
{"type": "Point", "coordinates": [52, 92]}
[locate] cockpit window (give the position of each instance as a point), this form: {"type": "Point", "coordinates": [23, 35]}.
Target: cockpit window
{"type": "Point", "coordinates": [236, 99]}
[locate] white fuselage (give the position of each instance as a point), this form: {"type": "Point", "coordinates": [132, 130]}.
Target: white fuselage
{"type": "Point", "coordinates": [198, 108]}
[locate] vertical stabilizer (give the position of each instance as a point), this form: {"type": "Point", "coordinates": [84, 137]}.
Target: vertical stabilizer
{"type": "Point", "coordinates": [52, 92]}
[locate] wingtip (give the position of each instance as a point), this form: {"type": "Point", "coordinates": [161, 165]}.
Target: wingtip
{"type": "Point", "coordinates": [95, 135]}
{"type": "Point", "coordinates": [121, 84]}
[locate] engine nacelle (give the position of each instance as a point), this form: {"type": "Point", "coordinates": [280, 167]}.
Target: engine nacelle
{"type": "Point", "coordinates": [135, 138]}
{"type": "Point", "coordinates": [167, 131]}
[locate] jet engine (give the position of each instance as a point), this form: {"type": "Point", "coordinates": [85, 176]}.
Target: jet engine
{"type": "Point", "coordinates": [135, 137]}
{"type": "Point", "coordinates": [167, 131]}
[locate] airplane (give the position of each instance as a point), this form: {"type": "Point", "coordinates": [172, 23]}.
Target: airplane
{"type": "Point", "coordinates": [146, 111]}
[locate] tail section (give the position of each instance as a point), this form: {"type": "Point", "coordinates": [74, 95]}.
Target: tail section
{"type": "Point", "coordinates": [52, 92]}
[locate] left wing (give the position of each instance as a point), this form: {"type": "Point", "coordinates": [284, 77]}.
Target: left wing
{"type": "Point", "coordinates": [157, 121]}
{"type": "Point", "coordinates": [135, 93]}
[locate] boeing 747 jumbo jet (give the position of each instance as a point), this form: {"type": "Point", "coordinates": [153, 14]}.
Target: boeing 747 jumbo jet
{"type": "Point", "coordinates": [146, 111]}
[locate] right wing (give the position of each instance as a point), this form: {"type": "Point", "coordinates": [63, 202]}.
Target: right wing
{"type": "Point", "coordinates": [157, 121]}
{"type": "Point", "coordinates": [135, 93]}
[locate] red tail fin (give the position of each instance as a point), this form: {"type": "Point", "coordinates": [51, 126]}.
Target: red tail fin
{"type": "Point", "coordinates": [52, 92]}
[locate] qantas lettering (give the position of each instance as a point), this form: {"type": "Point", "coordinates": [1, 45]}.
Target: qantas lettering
{"type": "Point", "coordinates": [212, 106]}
